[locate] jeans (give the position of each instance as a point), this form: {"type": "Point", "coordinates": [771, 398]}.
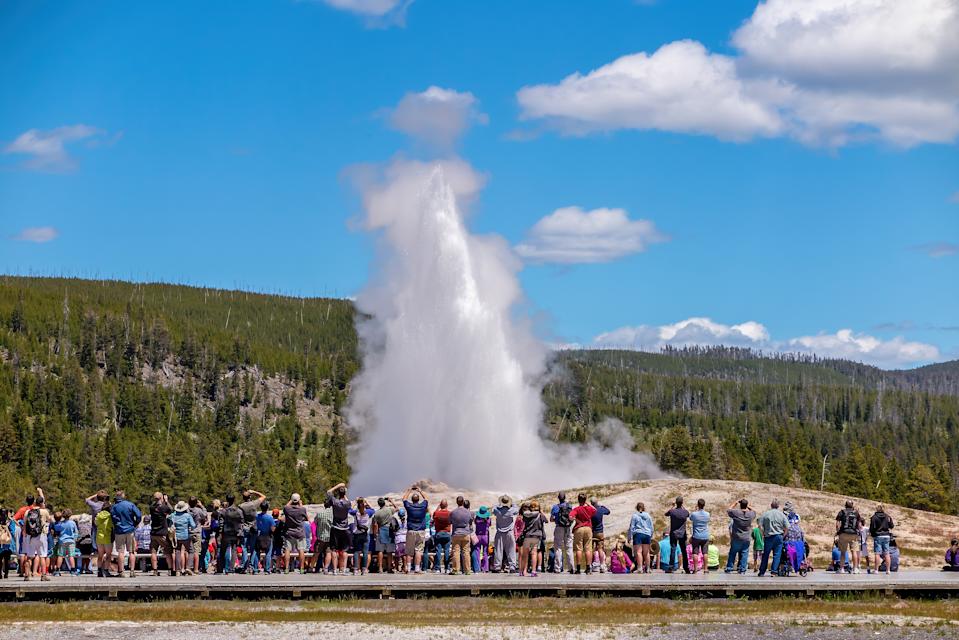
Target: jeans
{"type": "Point", "coordinates": [443, 540]}
{"type": "Point", "coordinates": [738, 548]}
{"type": "Point", "coordinates": [266, 558]}
{"type": "Point", "coordinates": [563, 547]}
{"type": "Point", "coordinates": [361, 551]}
{"type": "Point", "coordinates": [227, 557]}
{"type": "Point", "coordinates": [774, 545]}
{"type": "Point", "coordinates": [249, 549]}
{"type": "Point", "coordinates": [681, 541]}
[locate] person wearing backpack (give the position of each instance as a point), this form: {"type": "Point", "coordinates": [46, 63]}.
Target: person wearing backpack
{"type": "Point", "coordinates": [36, 524]}
{"type": "Point", "coordinates": [231, 526]}
{"type": "Point", "coordinates": [848, 522]}
{"type": "Point", "coordinates": [562, 533]}
{"type": "Point", "coordinates": [880, 528]}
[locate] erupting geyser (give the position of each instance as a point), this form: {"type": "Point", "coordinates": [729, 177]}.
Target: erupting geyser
{"type": "Point", "coordinates": [450, 386]}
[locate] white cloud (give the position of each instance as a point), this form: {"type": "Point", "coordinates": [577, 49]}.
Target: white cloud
{"type": "Point", "coordinates": [845, 344]}
{"type": "Point", "coordinates": [570, 235]}
{"type": "Point", "coordinates": [820, 71]}
{"type": "Point", "coordinates": [896, 352]}
{"type": "Point", "coordinates": [37, 234]}
{"type": "Point", "coordinates": [47, 149]}
{"type": "Point", "coordinates": [938, 249]}
{"type": "Point", "coordinates": [437, 116]}
{"type": "Point", "coordinates": [681, 87]}
{"type": "Point", "coordinates": [376, 12]}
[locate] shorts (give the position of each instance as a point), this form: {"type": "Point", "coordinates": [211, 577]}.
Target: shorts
{"type": "Point", "coordinates": [196, 543]}
{"type": "Point", "coordinates": [294, 544]}
{"type": "Point", "coordinates": [263, 542]}
{"type": "Point", "coordinates": [880, 545]}
{"type": "Point", "coordinates": [161, 543]}
{"type": "Point", "coordinates": [184, 545]}
{"type": "Point", "coordinates": [385, 547]}
{"type": "Point", "coordinates": [642, 538]}
{"type": "Point", "coordinates": [415, 542]}
{"type": "Point", "coordinates": [34, 546]}
{"type": "Point", "coordinates": [598, 538]}
{"type": "Point", "coordinates": [124, 542]}
{"type": "Point", "coordinates": [848, 542]}
{"type": "Point", "coordinates": [531, 543]}
{"type": "Point", "coordinates": [66, 549]}
{"type": "Point", "coordinates": [582, 538]}
{"type": "Point", "coordinates": [86, 548]}
{"type": "Point", "coordinates": [401, 548]}
{"type": "Point", "coordinates": [339, 539]}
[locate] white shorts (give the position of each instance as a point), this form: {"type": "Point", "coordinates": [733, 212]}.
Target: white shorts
{"type": "Point", "coordinates": [34, 546]}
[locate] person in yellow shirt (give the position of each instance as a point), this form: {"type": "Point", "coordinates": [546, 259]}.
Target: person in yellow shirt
{"type": "Point", "coordinates": [712, 555]}
{"type": "Point", "coordinates": [104, 524]}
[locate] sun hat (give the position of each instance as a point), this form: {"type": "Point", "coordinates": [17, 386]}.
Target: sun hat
{"type": "Point", "coordinates": [181, 507]}
{"type": "Point", "coordinates": [483, 512]}
{"type": "Point", "coordinates": [505, 499]}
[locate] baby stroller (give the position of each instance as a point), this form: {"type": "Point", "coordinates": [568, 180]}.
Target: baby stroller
{"type": "Point", "coordinates": [794, 560]}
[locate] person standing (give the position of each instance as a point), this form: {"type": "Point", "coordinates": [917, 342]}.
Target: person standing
{"type": "Point", "coordinates": [442, 538]}
{"type": "Point", "coordinates": [461, 522]}
{"type": "Point", "coordinates": [678, 516]}
{"type": "Point", "coordinates": [582, 516]}
{"type": "Point", "coordinates": [231, 530]}
{"type": "Point", "coordinates": [337, 500]}
{"type": "Point", "coordinates": [599, 535]}
{"type": "Point", "coordinates": [562, 533]}
{"type": "Point", "coordinates": [416, 504]}
{"type": "Point", "coordinates": [384, 534]}
{"type": "Point", "coordinates": [848, 522]}
{"type": "Point", "coordinates": [294, 538]}
{"type": "Point", "coordinates": [504, 543]}
{"type": "Point", "coordinates": [263, 549]}
{"type": "Point", "coordinates": [160, 510]}
{"type": "Point", "coordinates": [699, 541]}
{"type": "Point", "coordinates": [36, 527]}
{"type": "Point", "coordinates": [641, 536]}
{"type": "Point", "coordinates": [182, 522]}
{"type": "Point", "coordinates": [200, 518]}
{"type": "Point", "coordinates": [141, 537]}
{"type": "Point", "coordinates": [481, 527]}
{"type": "Point", "coordinates": [321, 545]}
{"type": "Point", "coordinates": [880, 528]}
{"type": "Point", "coordinates": [757, 546]}
{"type": "Point", "coordinates": [126, 516]}
{"type": "Point", "coordinates": [362, 519]}
{"type": "Point", "coordinates": [251, 504]}
{"type": "Point", "coordinates": [533, 534]}
{"type": "Point", "coordinates": [739, 535]}
{"type": "Point", "coordinates": [104, 540]}
{"type": "Point", "coordinates": [8, 542]}
{"type": "Point", "coordinates": [773, 524]}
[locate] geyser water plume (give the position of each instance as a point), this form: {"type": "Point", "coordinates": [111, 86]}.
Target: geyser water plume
{"type": "Point", "coordinates": [450, 385]}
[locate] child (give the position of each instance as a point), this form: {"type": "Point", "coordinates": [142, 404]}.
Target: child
{"type": "Point", "coordinates": [712, 555]}
{"type": "Point", "coordinates": [619, 562]}
{"type": "Point", "coordinates": [665, 562]}
{"type": "Point", "coordinates": [758, 547]}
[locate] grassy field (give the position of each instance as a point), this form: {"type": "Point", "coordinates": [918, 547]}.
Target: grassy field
{"type": "Point", "coordinates": [497, 610]}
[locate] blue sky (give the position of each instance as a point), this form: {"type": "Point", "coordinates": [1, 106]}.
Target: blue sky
{"type": "Point", "coordinates": [207, 142]}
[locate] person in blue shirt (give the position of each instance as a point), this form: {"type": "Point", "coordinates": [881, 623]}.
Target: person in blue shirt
{"type": "Point", "coordinates": [667, 562]}
{"type": "Point", "coordinates": [263, 548]}
{"type": "Point", "coordinates": [641, 536]}
{"type": "Point", "coordinates": [700, 538]}
{"type": "Point", "coordinates": [182, 522]}
{"type": "Point", "coordinates": [8, 542]}
{"type": "Point", "coordinates": [66, 531]}
{"type": "Point", "coordinates": [126, 516]}
{"type": "Point", "coordinates": [599, 536]}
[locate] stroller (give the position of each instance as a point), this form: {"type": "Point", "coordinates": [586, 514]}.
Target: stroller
{"type": "Point", "coordinates": [795, 560]}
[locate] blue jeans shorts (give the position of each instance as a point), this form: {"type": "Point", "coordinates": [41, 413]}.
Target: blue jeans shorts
{"type": "Point", "coordinates": [880, 544]}
{"type": "Point", "coordinates": [642, 538]}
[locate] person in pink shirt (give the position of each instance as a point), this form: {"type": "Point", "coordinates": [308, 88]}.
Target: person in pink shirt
{"type": "Point", "coordinates": [619, 562]}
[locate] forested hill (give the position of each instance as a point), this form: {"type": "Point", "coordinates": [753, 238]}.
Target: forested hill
{"type": "Point", "coordinates": [197, 390]}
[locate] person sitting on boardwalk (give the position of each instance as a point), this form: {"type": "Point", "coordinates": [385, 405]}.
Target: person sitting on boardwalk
{"type": "Point", "coordinates": [739, 535]}
{"type": "Point", "coordinates": [619, 562]}
{"type": "Point", "coordinates": [712, 555]}
{"type": "Point", "coordinates": [582, 533]}
{"type": "Point", "coordinates": [665, 554]}
{"type": "Point", "coordinates": [641, 536]}
{"type": "Point", "coordinates": [534, 532]}
{"type": "Point", "coordinates": [952, 556]}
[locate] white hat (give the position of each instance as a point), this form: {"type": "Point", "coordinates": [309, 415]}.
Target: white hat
{"type": "Point", "coordinates": [295, 497]}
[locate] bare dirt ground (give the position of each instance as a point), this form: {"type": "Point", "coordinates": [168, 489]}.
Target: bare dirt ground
{"type": "Point", "coordinates": [922, 536]}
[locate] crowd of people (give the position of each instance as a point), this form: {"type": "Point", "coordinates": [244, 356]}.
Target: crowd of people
{"type": "Point", "coordinates": [406, 535]}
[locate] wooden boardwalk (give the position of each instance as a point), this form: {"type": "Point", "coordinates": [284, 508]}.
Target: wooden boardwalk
{"type": "Point", "coordinates": [906, 583]}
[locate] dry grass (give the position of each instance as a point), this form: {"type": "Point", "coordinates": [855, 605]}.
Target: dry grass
{"type": "Point", "coordinates": [460, 611]}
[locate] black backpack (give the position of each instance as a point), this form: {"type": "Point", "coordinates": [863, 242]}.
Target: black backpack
{"type": "Point", "coordinates": [850, 521]}
{"type": "Point", "coordinates": [563, 518]}
{"type": "Point", "coordinates": [33, 523]}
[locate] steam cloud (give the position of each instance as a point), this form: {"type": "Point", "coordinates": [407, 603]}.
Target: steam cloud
{"type": "Point", "coordinates": [450, 382]}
